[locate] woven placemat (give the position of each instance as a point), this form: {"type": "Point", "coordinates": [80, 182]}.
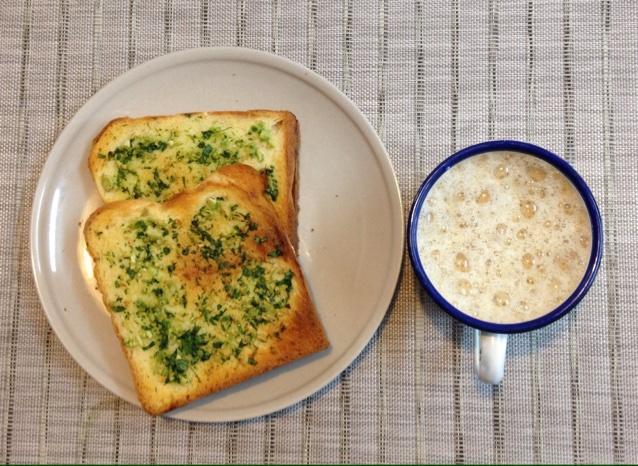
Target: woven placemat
{"type": "Point", "coordinates": [432, 77]}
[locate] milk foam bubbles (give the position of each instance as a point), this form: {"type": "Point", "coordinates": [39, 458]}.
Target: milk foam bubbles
{"type": "Point", "coordinates": [504, 237]}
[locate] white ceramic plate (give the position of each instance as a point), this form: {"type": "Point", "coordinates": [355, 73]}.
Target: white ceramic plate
{"type": "Point", "coordinates": [350, 218]}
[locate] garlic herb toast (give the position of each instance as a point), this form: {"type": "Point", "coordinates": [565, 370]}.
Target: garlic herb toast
{"type": "Point", "coordinates": [157, 157]}
{"type": "Point", "coordinates": [203, 290]}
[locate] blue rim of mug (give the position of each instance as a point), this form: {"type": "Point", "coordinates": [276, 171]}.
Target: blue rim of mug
{"type": "Point", "coordinates": [577, 181]}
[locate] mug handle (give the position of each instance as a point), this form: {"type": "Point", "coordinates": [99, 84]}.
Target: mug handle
{"type": "Point", "coordinates": [489, 356]}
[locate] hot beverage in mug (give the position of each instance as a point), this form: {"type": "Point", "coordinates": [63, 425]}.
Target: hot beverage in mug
{"type": "Point", "coordinates": [504, 236]}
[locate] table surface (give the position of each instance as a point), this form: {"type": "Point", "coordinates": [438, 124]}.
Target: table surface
{"type": "Point", "coordinates": [432, 77]}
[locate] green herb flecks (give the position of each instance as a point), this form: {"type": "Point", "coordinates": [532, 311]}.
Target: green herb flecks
{"type": "Point", "coordinates": [135, 149]}
{"type": "Point", "coordinates": [275, 252]}
{"type": "Point", "coordinates": [157, 185]}
{"type": "Point", "coordinates": [190, 349]}
{"type": "Point", "coordinates": [159, 166]}
{"type": "Point", "coordinates": [272, 188]}
{"type": "Point", "coordinates": [261, 132]}
{"type": "Point", "coordinates": [184, 326]}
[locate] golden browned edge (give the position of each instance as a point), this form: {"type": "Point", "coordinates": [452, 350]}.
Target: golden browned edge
{"type": "Point", "coordinates": [291, 148]}
{"type": "Point", "coordinates": [290, 128]}
{"type": "Point", "coordinates": [304, 335]}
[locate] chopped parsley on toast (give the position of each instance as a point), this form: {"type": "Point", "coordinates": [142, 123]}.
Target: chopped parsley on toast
{"type": "Point", "coordinates": [204, 290]}
{"type": "Point", "coordinates": [158, 157]}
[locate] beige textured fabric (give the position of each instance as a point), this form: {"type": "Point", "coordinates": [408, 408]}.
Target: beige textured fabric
{"type": "Point", "coordinates": [432, 77]}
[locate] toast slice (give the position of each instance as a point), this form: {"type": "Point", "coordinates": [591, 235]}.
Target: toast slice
{"type": "Point", "coordinates": [204, 290]}
{"type": "Point", "coordinates": [157, 157]}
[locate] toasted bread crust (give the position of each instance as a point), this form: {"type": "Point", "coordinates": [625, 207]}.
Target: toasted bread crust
{"type": "Point", "coordinates": [291, 129]}
{"type": "Point", "coordinates": [303, 334]}
{"type": "Point", "coordinates": [285, 162]}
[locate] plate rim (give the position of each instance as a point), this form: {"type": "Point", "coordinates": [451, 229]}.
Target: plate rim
{"type": "Point", "coordinates": [378, 150]}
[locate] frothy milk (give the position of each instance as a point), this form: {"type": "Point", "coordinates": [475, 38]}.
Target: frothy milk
{"type": "Point", "coordinates": [504, 237]}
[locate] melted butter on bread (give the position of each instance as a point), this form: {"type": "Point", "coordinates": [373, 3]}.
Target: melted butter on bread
{"type": "Point", "coordinates": [204, 290]}
{"type": "Point", "coordinates": [158, 157]}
